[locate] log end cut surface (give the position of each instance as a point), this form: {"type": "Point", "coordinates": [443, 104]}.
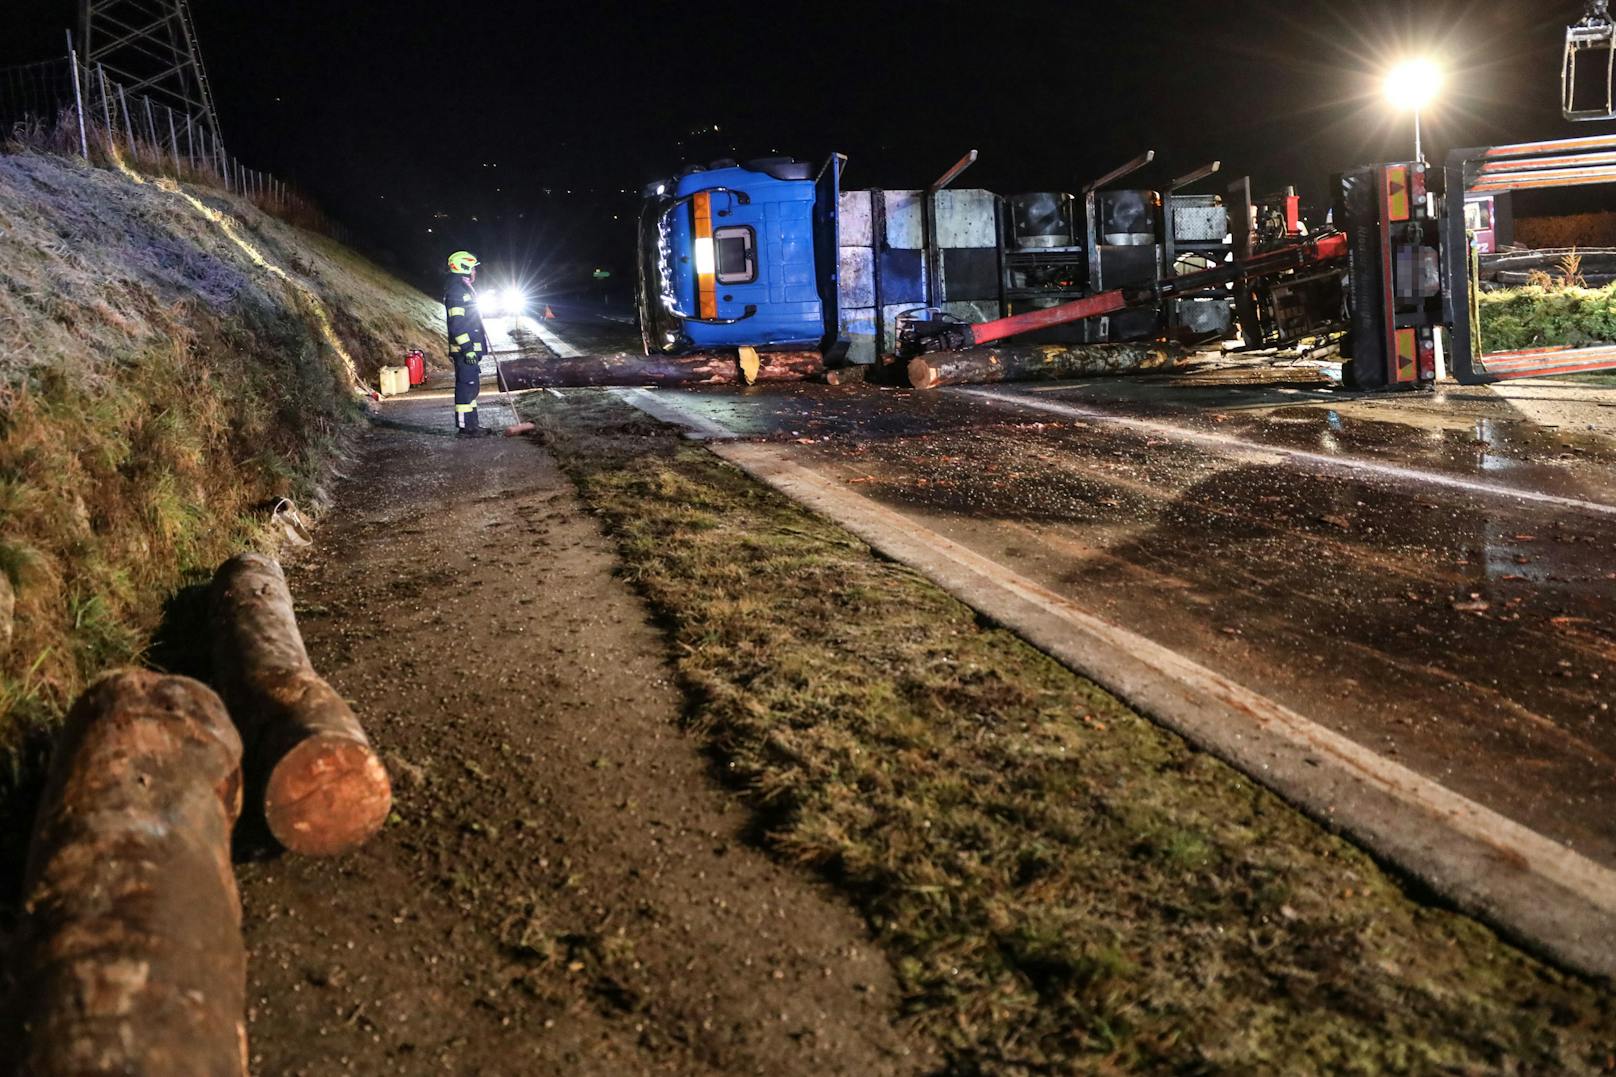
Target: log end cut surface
{"type": "Point", "coordinates": [327, 796]}
{"type": "Point", "coordinates": [922, 375]}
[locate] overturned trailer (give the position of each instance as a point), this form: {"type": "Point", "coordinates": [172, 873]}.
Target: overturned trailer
{"type": "Point", "coordinates": [774, 254]}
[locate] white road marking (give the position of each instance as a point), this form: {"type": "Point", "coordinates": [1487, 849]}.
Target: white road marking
{"type": "Point", "coordinates": [1553, 899]}
{"type": "Point", "coordinates": [697, 427]}
{"type": "Point", "coordinates": [1259, 450]}
{"type": "Point", "coordinates": [551, 339]}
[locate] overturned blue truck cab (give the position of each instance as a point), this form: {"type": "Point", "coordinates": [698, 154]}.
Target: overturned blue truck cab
{"type": "Point", "coordinates": [729, 256]}
{"type": "Point", "coordinates": [772, 253]}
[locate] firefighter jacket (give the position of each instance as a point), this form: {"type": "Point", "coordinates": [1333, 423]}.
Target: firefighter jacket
{"type": "Point", "coordinates": [467, 339]}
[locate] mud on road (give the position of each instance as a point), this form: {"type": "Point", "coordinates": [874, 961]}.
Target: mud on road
{"type": "Point", "coordinates": [563, 886]}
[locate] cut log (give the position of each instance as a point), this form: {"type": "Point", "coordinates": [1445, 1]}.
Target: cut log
{"type": "Point", "coordinates": [631, 369]}
{"type": "Point", "coordinates": [621, 368]}
{"type": "Point", "coordinates": [129, 957]}
{"type": "Point", "coordinates": [847, 375]}
{"type": "Point", "coordinates": [323, 789]}
{"type": "Point", "coordinates": [789, 366]}
{"type": "Point", "coordinates": [1031, 362]}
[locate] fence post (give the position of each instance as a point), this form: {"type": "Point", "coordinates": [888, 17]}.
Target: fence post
{"type": "Point", "coordinates": [173, 141]}
{"type": "Point", "coordinates": [156, 146]}
{"type": "Point", "coordinates": [128, 124]}
{"type": "Point", "coordinates": [78, 97]}
{"type": "Point", "coordinates": [190, 143]}
{"type": "Point", "coordinates": [106, 106]}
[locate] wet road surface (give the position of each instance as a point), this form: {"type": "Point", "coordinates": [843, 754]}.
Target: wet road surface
{"type": "Point", "coordinates": [1433, 576]}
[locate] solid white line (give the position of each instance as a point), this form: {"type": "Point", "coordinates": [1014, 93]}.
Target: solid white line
{"type": "Point", "coordinates": [1255, 448]}
{"type": "Point", "coordinates": [550, 338]}
{"type": "Point", "coordinates": [698, 427]}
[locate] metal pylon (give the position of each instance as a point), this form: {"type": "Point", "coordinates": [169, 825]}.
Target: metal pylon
{"type": "Point", "coordinates": [150, 47]}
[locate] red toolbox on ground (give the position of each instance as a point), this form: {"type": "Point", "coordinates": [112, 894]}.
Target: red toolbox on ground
{"type": "Point", "coordinates": [416, 363]}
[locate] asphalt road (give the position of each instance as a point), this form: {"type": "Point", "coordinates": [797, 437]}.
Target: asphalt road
{"type": "Point", "coordinates": [1432, 576]}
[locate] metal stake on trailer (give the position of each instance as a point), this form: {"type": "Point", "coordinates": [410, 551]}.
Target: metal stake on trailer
{"type": "Point", "coordinates": [1091, 201]}
{"type": "Point", "coordinates": [928, 225]}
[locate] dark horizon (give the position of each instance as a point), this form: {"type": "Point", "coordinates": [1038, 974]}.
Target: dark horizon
{"type": "Point", "coordinates": [526, 131]}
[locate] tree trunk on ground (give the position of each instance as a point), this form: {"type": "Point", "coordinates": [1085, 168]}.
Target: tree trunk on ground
{"type": "Point", "coordinates": [630, 369]}
{"type": "Point", "coordinates": [622, 368]}
{"type": "Point", "coordinates": [789, 366]}
{"type": "Point", "coordinates": [1031, 362]}
{"type": "Point", "coordinates": [130, 957]}
{"type": "Point", "coordinates": [322, 787]}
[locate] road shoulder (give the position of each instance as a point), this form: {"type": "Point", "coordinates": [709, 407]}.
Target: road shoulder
{"type": "Point", "coordinates": [563, 887]}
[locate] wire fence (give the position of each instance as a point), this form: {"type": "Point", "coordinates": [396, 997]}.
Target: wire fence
{"type": "Point", "coordinates": [64, 106]}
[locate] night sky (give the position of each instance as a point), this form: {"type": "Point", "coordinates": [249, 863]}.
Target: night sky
{"type": "Point", "coordinates": [515, 128]}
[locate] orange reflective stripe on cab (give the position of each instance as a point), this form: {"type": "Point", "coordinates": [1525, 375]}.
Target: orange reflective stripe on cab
{"type": "Point", "coordinates": [706, 281]}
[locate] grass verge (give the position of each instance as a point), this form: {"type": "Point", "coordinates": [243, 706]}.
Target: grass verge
{"type": "Point", "coordinates": [1062, 885]}
{"type": "Point", "coordinates": [1514, 319]}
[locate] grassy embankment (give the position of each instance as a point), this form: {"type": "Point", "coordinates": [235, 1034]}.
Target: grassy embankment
{"type": "Point", "coordinates": [172, 361]}
{"type": "Point", "coordinates": [1062, 885]}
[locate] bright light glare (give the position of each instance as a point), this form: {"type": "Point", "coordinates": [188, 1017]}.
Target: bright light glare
{"type": "Point", "coordinates": [502, 302]}
{"type": "Point", "coordinates": [705, 258]}
{"type": "Point", "coordinates": [1413, 84]}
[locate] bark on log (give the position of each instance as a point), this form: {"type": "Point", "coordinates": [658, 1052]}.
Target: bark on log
{"type": "Point", "coordinates": [621, 368]}
{"type": "Point", "coordinates": [1030, 362]}
{"type": "Point", "coordinates": [847, 375]}
{"type": "Point", "coordinates": [323, 789]}
{"type": "Point", "coordinates": [789, 366]}
{"type": "Point", "coordinates": [631, 369]}
{"type": "Point", "coordinates": [130, 957]}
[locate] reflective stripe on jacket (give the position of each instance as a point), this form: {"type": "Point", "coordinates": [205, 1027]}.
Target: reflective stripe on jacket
{"type": "Point", "coordinates": [467, 338]}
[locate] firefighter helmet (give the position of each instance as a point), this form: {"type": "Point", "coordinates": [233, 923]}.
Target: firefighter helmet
{"type": "Point", "coordinates": [462, 262]}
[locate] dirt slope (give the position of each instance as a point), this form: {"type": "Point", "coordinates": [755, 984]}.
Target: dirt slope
{"type": "Point", "coordinates": [564, 887]}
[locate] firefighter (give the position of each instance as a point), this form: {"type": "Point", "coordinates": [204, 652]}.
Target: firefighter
{"type": "Point", "coordinates": [468, 342]}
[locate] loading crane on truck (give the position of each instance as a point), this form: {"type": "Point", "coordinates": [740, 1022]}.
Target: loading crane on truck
{"type": "Point", "coordinates": [1588, 75]}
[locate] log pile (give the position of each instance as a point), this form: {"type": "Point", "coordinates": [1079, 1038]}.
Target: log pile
{"type": "Point", "coordinates": [1032, 362]}
{"type": "Point", "coordinates": [321, 786]}
{"type": "Point", "coordinates": [130, 952]}
{"type": "Point", "coordinates": [664, 371]}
